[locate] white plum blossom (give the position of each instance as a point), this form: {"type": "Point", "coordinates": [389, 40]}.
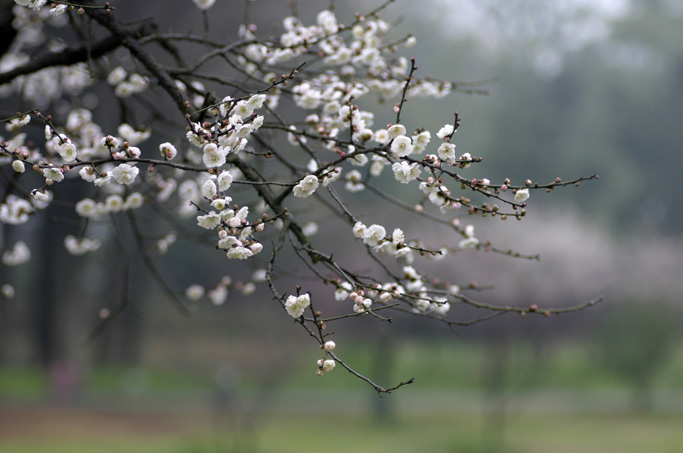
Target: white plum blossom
{"type": "Point", "coordinates": [421, 140]}
{"type": "Point", "coordinates": [214, 155]}
{"type": "Point", "coordinates": [124, 90]}
{"type": "Point", "coordinates": [86, 208]}
{"type": "Point", "coordinates": [358, 160]}
{"type": "Point", "coordinates": [402, 146]}
{"type": "Point", "coordinates": [53, 174]}
{"type": "Point", "coordinates": [442, 308]}
{"type": "Point", "coordinates": [19, 254]}
{"type": "Point", "coordinates": [381, 136]}
{"type": "Point", "coordinates": [228, 241]}
{"type": "Point", "coordinates": [224, 180]}
{"type": "Point", "coordinates": [102, 180]}
{"type": "Point", "coordinates": [445, 131]}
{"type": "Point", "coordinates": [168, 150]}
{"type": "Point", "coordinates": [209, 189]}
{"type": "Point", "coordinates": [310, 228]}
{"type": "Point", "coordinates": [422, 306]}
{"type": "Point", "coordinates": [397, 237]}
{"type": "Point", "coordinates": [395, 131]}
{"type": "Point", "coordinates": [354, 183]}
{"type": "Point", "coordinates": [17, 123]}
{"type": "Point", "coordinates": [446, 152]}
{"type": "Point", "coordinates": [405, 171]}
{"type": "Point", "coordinates": [116, 76]}
{"type": "Point", "coordinates": [240, 253]}
{"type": "Point", "coordinates": [67, 151]}
{"type": "Point", "coordinates": [7, 291]}
{"type": "Point", "coordinates": [132, 136]}
{"type": "Point", "coordinates": [15, 210]}
{"type": "Point", "coordinates": [453, 290]}
{"type": "Point", "coordinates": [359, 229]}
{"type": "Point", "coordinates": [256, 101]}
{"type": "Point", "coordinates": [306, 186]}
{"type": "Point", "coordinates": [194, 139]}
{"type": "Point", "coordinates": [209, 221]}
{"type": "Point", "coordinates": [125, 174]}
{"type": "Point", "coordinates": [134, 201]}
{"type": "Point", "coordinates": [218, 295]}
{"type": "Point", "coordinates": [331, 176]}
{"type": "Point", "coordinates": [194, 292]}
{"type": "Point", "coordinates": [522, 195]}
{"type": "Point", "coordinates": [88, 173]}
{"type": "Point", "coordinates": [327, 20]}
{"type": "Point", "coordinates": [114, 203]}
{"type": "Point", "coordinates": [329, 346]}
{"type": "Point", "coordinates": [295, 306]}
{"type": "Point", "coordinates": [328, 365]}
{"type": "Point", "coordinates": [41, 195]}
{"type": "Point", "coordinates": [221, 203]}
{"type": "Point", "coordinates": [34, 4]}
{"type": "Point", "coordinates": [467, 157]}
{"type": "Point", "coordinates": [374, 234]}
{"type": "Point", "coordinates": [164, 243]}
{"type": "Point", "coordinates": [80, 246]}
{"type": "Point", "coordinates": [343, 291]}
{"type": "Point", "coordinates": [470, 241]}
{"type": "Point", "coordinates": [362, 304]}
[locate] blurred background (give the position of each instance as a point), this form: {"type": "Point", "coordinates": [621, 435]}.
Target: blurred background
{"type": "Point", "coordinates": [576, 87]}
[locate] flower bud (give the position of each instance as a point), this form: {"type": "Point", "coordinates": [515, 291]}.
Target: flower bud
{"type": "Point", "coordinates": [329, 346]}
{"type": "Point", "coordinates": [18, 166]}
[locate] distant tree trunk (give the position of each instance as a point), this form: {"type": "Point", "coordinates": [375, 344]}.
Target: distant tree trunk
{"type": "Point", "coordinates": [496, 377]}
{"type": "Point", "coordinates": [46, 296]}
{"type": "Point", "coordinates": [7, 32]}
{"type": "Point", "coordinates": [384, 363]}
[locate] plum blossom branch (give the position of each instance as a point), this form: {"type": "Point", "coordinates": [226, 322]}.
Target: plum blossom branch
{"type": "Point", "coordinates": [256, 154]}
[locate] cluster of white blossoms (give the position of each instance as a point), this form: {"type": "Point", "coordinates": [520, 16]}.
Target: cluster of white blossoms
{"type": "Point", "coordinates": [113, 203]}
{"type": "Point", "coordinates": [375, 237]}
{"type": "Point", "coordinates": [219, 294]}
{"type": "Point", "coordinates": [229, 136]}
{"type": "Point", "coordinates": [424, 304]}
{"type": "Point", "coordinates": [326, 365]}
{"type": "Point", "coordinates": [126, 85]}
{"type": "Point", "coordinates": [366, 65]}
{"type": "Point", "coordinates": [15, 210]}
{"type": "Point", "coordinates": [34, 4]}
{"type": "Point", "coordinates": [81, 246]}
{"type": "Point", "coordinates": [235, 234]}
{"type": "Point", "coordinates": [306, 187]}
{"type": "Point", "coordinates": [470, 241]}
{"type": "Point", "coordinates": [18, 254]}
{"type": "Point", "coordinates": [295, 305]}
{"type": "Point", "coordinates": [30, 18]}
{"type": "Point", "coordinates": [421, 301]}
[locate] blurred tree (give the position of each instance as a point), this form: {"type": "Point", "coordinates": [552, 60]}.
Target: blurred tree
{"type": "Point", "coordinates": [636, 342]}
{"type": "Point", "coordinates": [578, 85]}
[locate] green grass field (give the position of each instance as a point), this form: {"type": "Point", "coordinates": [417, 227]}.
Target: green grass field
{"type": "Point", "coordinates": [345, 433]}
{"type": "Point", "coordinates": [461, 402]}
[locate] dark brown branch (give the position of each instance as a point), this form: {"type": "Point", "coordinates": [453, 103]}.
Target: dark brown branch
{"type": "Point", "coordinates": [73, 55]}
{"type": "Point", "coordinates": [133, 45]}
